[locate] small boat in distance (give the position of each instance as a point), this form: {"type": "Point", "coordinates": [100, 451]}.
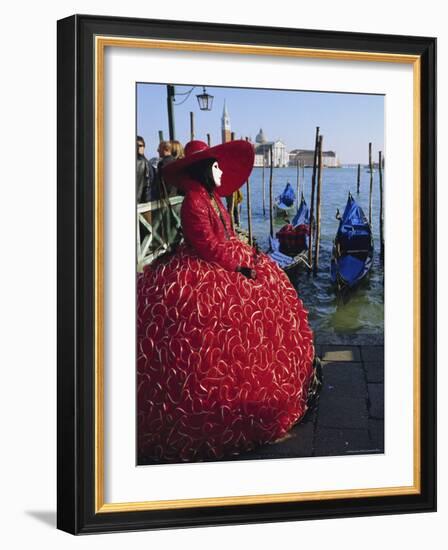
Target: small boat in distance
{"type": "Point", "coordinates": [284, 203]}
{"type": "Point", "coordinates": [352, 248]}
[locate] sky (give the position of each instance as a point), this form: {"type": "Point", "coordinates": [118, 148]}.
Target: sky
{"type": "Point", "coordinates": [348, 122]}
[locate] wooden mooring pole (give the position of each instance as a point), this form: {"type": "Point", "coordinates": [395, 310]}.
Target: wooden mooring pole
{"type": "Point", "coordinates": [302, 168]}
{"type": "Point", "coordinates": [318, 202]}
{"type": "Point", "coordinates": [208, 140]}
{"type": "Point", "coordinates": [263, 186]}
{"type": "Point", "coordinates": [359, 179]}
{"type": "Point", "coordinates": [313, 189]}
{"type": "Point", "coordinates": [371, 183]}
{"type": "Point", "coordinates": [380, 173]}
{"type": "Point", "coordinates": [231, 210]}
{"type": "Point", "coordinates": [231, 199]}
{"type": "Point", "coordinates": [271, 194]}
{"type": "Point", "coordinates": [249, 209]}
{"type": "Point", "coordinates": [191, 125]}
{"type": "Point", "coordinates": [298, 180]}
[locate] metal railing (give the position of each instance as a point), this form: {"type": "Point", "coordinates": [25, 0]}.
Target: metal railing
{"type": "Point", "coordinates": [157, 229]}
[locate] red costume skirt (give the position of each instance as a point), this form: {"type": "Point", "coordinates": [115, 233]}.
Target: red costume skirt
{"type": "Point", "coordinates": [224, 362]}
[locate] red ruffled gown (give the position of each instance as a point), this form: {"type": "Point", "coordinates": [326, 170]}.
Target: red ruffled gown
{"type": "Point", "coordinates": [224, 362]}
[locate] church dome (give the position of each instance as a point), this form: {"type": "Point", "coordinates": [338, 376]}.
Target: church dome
{"type": "Point", "coordinates": [260, 137]}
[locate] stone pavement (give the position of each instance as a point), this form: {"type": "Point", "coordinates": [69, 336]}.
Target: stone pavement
{"type": "Point", "coordinates": [348, 418]}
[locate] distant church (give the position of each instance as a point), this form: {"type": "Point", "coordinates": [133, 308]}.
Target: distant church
{"type": "Point", "coordinates": [262, 146]}
{"type": "Point", "coordinates": [263, 149]}
{"type": "Point", "coordinates": [226, 132]}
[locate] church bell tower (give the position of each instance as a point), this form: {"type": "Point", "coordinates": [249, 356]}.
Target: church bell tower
{"type": "Point", "coordinates": [226, 132]}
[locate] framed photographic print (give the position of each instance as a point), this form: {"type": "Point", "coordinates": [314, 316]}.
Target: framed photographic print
{"type": "Point", "coordinates": [246, 274]}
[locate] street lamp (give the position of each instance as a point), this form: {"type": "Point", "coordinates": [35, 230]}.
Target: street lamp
{"type": "Point", "coordinates": [205, 101]}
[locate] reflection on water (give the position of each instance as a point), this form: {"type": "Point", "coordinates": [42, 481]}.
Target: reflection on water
{"type": "Point", "coordinates": [362, 311]}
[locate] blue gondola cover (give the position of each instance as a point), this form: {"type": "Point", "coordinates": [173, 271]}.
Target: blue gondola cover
{"type": "Point", "coordinates": [288, 196]}
{"type": "Point", "coordinates": [302, 216]}
{"type": "Point", "coordinates": [353, 247]}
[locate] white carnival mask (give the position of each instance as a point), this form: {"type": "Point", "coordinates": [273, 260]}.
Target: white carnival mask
{"type": "Point", "coordinates": [216, 173]}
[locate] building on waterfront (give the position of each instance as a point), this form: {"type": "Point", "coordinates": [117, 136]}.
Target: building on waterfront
{"type": "Point", "coordinates": [306, 156]}
{"type": "Point", "coordinates": [262, 151]}
{"type": "Point", "coordinates": [226, 132]}
{"type": "Point", "coordinates": [260, 138]}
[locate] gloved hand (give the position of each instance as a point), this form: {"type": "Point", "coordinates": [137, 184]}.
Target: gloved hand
{"type": "Point", "coordinates": [248, 272]}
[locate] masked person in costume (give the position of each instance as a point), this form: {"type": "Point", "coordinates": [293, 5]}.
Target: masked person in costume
{"type": "Point", "coordinates": [225, 351]}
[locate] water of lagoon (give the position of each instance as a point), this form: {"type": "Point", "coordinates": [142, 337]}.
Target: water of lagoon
{"type": "Point", "coordinates": [363, 311]}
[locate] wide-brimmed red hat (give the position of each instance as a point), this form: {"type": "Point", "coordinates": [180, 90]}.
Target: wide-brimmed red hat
{"type": "Point", "coordinates": [235, 159]}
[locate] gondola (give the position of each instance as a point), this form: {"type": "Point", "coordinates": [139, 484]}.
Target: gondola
{"type": "Point", "coordinates": [284, 203]}
{"type": "Point", "coordinates": [352, 248]}
{"type": "Point", "coordinates": [289, 248]}
{"type": "Point", "coordinates": [294, 237]}
{"type": "Point", "coordinates": [302, 216]}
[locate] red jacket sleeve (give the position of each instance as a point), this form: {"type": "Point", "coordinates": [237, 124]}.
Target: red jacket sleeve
{"type": "Point", "coordinates": [199, 233]}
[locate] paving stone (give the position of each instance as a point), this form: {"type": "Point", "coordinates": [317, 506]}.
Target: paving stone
{"type": "Point", "coordinates": [342, 412]}
{"type": "Point", "coordinates": [334, 442]}
{"type": "Point", "coordinates": [374, 371]}
{"type": "Point", "coordinates": [376, 400]}
{"type": "Point", "coordinates": [340, 353]}
{"type": "Point", "coordinates": [297, 443]}
{"type": "Point", "coordinates": [376, 431]}
{"type": "Point", "coordinates": [372, 353]}
{"type": "Point", "coordinates": [311, 413]}
{"type": "Point", "coordinates": [358, 339]}
{"type": "Point", "coordinates": [343, 379]}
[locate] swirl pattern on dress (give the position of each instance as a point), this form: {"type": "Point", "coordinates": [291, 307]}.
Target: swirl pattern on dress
{"type": "Point", "coordinates": [224, 362]}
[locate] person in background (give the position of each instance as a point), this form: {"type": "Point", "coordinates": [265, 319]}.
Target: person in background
{"type": "Point", "coordinates": [165, 151]}
{"type": "Point", "coordinates": [177, 150]}
{"type": "Point", "coordinates": [165, 154]}
{"type": "Point", "coordinates": [237, 198]}
{"type": "Point", "coordinates": [145, 173]}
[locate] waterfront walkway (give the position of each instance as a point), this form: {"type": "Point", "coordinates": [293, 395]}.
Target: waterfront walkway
{"type": "Point", "coordinates": [349, 415]}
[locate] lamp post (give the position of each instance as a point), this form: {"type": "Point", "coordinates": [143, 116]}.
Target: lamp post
{"type": "Point", "coordinates": [170, 101]}
{"type": "Point", "coordinates": [205, 102]}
